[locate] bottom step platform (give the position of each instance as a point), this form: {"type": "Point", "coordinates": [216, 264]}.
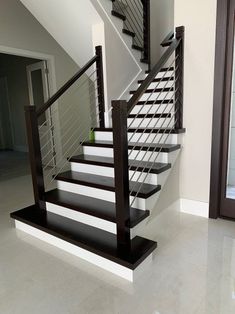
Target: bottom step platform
{"type": "Point", "coordinates": [94, 245]}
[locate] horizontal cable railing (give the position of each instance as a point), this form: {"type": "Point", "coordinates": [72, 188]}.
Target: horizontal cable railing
{"type": "Point", "coordinates": [142, 126]}
{"type": "Point", "coordinates": [137, 21]}
{"type": "Point", "coordinates": [57, 130]}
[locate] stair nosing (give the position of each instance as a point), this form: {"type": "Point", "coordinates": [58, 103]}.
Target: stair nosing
{"type": "Point", "coordinates": [157, 90]}
{"type": "Point", "coordinates": [174, 131]}
{"type": "Point", "coordinates": [127, 32]}
{"type": "Point", "coordinates": [137, 146]}
{"type": "Point", "coordinates": [165, 167]}
{"type": "Point", "coordinates": [159, 80]}
{"type": "Point", "coordinates": [148, 115]}
{"type": "Point", "coordinates": [118, 15]}
{"type": "Point", "coordinates": [101, 186]}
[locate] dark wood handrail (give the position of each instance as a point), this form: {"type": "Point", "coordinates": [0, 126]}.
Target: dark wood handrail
{"type": "Point", "coordinates": [66, 86]}
{"type": "Point", "coordinates": [157, 68]}
{"type": "Point", "coordinates": [168, 39]}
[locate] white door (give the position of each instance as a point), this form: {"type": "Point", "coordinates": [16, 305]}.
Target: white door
{"type": "Point", "coordinates": [38, 84]}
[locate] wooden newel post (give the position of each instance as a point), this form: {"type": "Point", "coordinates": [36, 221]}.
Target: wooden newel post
{"type": "Point", "coordinates": [35, 155]}
{"type": "Point", "coordinates": [146, 31]}
{"type": "Point", "coordinates": [100, 83]}
{"type": "Point", "coordinates": [121, 172]}
{"type": "Point", "coordinates": [179, 75]}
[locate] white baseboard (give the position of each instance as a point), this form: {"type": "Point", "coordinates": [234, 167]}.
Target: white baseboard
{"type": "Point", "coordinates": [193, 207]}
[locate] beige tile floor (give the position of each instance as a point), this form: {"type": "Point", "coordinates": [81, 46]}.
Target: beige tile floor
{"type": "Point", "coordinates": [193, 271]}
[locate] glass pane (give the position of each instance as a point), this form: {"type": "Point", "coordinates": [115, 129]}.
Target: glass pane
{"type": "Point", "coordinates": [230, 191]}
{"type": "Point", "coordinates": [38, 94]}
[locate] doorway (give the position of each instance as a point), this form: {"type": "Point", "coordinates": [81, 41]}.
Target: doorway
{"type": "Point", "coordinates": [23, 81]}
{"type": "Point", "coordinates": [222, 193]}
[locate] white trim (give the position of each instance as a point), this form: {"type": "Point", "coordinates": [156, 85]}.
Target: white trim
{"type": "Point", "coordinates": [193, 207]}
{"type": "Point", "coordinates": [52, 82]}
{"type": "Point", "coordinates": [95, 259]}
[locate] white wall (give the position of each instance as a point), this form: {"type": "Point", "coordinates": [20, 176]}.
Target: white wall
{"type": "Point", "coordinates": [120, 65]}
{"type": "Point", "coordinates": [20, 30]}
{"type": "Point", "coordinates": [69, 22]}
{"type": "Point", "coordinates": [199, 19]}
{"type": "Point", "coordinates": [162, 23]}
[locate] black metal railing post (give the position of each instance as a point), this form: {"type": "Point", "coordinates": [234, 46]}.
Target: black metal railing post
{"type": "Point", "coordinates": [179, 75]}
{"type": "Point", "coordinates": [35, 155]}
{"type": "Point", "coordinates": [100, 83]}
{"type": "Point", "coordinates": [121, 172]}
{"type": "Point", "coordinates": [146, 30]}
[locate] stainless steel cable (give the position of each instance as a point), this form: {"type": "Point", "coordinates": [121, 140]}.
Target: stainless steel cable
{"type": "Point", "coordinates": [146, 175]}
{"type": "Point", "coordinates": [154, 90]}
{"type": "Point", "coordinates": [67, 131]}
{"type": "Point", "coordinates": [148, 149]}
{"type": "Point", "coordinates": [67, 109]}
{"type": "Point", "coordinates": [143, 130]}
{"type": "Point", "coordinates": [128, 22]}
{"type": "Point", "coordinates": [83, 83]}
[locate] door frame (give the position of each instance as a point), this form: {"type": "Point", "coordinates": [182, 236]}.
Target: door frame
{"type": "Point", "coordinates": [219, 106]}
{"type": "Point", "coordinates": [50, 59]}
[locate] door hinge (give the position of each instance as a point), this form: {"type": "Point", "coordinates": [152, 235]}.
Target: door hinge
{"type": "Point", "coordinates": [46, 71]}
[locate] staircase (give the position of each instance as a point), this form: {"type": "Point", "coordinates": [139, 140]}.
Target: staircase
{"type": "Point", "coordinates": [97, 192]}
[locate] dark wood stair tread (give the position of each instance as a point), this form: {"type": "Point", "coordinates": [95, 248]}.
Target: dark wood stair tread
{"type": "Point", "coordinates": [118, 15]}
{"type": "Point", "coordinates": [164, 148]}
{"type": "Point", "coordinates": [107, 183]}
{"type": "Point", "coordinates": [157, 90]}
{"type": "Point", "coordinates": [139, 130]}
{"type": "Point", "coordinates": [93, 207]}
{"type": "Point", "coordinates": [149, 115]}
{"type": "Point", "coordinates": [159, 80]}
{"type": "Point", "coordinates": [144, 166]}
{"type": "Point", "coordinates": [155, 102]}
{"type": "Point", "coordinates": [128, 32]}
{"type": "Point", "coordinates": [137, 48]}
{"type": "Point", "coordinates": [163, 70]}
{"type": "Point", "coordinates": [84, 236]}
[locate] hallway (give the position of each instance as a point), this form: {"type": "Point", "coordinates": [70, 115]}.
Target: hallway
{"type": "Point", "coordinates": [13, 164]}
{"type": "Point", "coordinates": [193, 270]}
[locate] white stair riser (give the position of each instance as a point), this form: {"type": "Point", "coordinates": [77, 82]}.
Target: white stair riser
{"type": "Point", "coordinates": [161, 84]}
{"type": "Point", "coordinates": [140, 137]}
{"type": "Point", "coordinates": [88, 219]}
{"type": "Point", "coordinates": [149, 178]}
{"type": "Point", "coordinates": [150, 123]}
{"type": "Point", "coordinates": [158, 96]}
{"type": "Point", "coordinates": [92, 258]}
{"type": "Point", "coordinates": [108, 196]}
{"type": "Point", "coordinates": [163, 74]}
{"type": "Point", "coordinates": [153, 109]}
{"type": "Point", "coordinates": [135, 154]}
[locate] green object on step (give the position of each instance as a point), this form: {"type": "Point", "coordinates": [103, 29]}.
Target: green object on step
{"type": "Point", "coordinates": [92, 136]}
